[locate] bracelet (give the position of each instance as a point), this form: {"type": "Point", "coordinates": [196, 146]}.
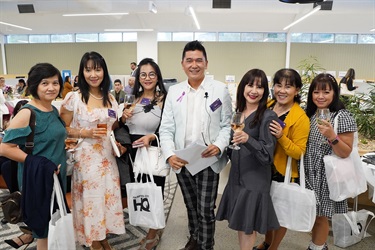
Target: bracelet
{"type": "Point", "coordinates": [80, 133]}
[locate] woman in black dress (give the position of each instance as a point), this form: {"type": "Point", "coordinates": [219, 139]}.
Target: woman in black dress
{"type": "Point", "coordinates": [246, 201]}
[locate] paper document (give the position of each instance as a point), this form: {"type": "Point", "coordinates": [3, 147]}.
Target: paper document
{"type": "Point", "coordinates": [193, 155]}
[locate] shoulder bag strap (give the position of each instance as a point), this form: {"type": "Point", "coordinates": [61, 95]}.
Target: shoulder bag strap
{"type": "Point", "coordinates": [29, 145]}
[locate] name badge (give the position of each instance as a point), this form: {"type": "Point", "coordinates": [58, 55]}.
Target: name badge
{"type": "Point", "coordinates": [112, 113]}
{"type": "Point", "coordinates": [215, 105]}
{"type": "Point", "coordinates": [145, 101]}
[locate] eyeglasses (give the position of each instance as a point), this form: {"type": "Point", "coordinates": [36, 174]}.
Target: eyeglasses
{"type": "Point", "coordinates": [151, 75]}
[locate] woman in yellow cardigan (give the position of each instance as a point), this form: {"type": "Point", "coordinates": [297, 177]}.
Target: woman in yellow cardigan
{"type": "Point", "coordinates": [291, 131]}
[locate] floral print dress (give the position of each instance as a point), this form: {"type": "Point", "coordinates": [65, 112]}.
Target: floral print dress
{"type": "Point", "coordinates": [96, 197]}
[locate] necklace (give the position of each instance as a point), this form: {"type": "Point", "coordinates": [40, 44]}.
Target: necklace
{"type": "Point", "coordinates": [97, 98]}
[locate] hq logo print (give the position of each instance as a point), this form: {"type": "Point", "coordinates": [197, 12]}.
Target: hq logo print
{"type": "Point", "coordinates": [142, 202]}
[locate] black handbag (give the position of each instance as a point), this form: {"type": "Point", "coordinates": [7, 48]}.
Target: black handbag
{"type": "Point", "coordinates": [11, 204]}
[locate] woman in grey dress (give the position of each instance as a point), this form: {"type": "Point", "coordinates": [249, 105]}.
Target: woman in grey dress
{"type": "Point", "coordinates": [246, 201]}
{"type": "Point", "coordinates": [324, 93]}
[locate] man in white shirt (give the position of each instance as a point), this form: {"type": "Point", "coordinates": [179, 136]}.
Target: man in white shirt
{"type": "Point", "coordinates": [197, 109]}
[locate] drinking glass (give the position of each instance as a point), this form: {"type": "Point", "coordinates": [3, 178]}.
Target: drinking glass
{"type": "Point", "coordinates": [129, 101]}
{"type": "Point", "coordinates": [322, 114]}
{"type": "Point", "coordinates": [71, 146]}
{"type": "Point", "coordinates": [102, 125]}
{"type": "Point", "coordinates": [237, 125]}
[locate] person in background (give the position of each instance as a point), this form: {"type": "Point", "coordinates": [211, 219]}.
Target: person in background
{"type": "Point", "coordinates": [143, 122]}
{"type": "Point", "coordinates": [129, 88]}
{"type": "Point", "coordinates": [246, 202]}
{"type": "Point", "coordinates": [75, 83]}
{"type": "Point", "coordinates": [291, 131]}
{"type": "Point", "coordinates": [4, 111]}
{"type": "Point", "coordinates": [21, 87]}
{"type": "Point", "coordinates": [44, 83]}
{"type": "Point", "coordinates": [324, 93]}
{"type": "Point", "coordinates": [348, 80]}
{"type": "Point", "coordinates": [118, 93]}
{"type": "Point", "coordinates": [198, 108]}
{"type": "Point", "coordinates": [67, 87]}
{"type": "Point", "coordinates": [9, 174]}
{"type": "Point", "coordinates": [90, 115]}
{"type": "Point", "coordinates": [133, 67]}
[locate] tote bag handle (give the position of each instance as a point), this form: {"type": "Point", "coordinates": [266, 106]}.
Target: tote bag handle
{"type": "Point", "coordinates": [288, 173]}
{"type": "Point", "coordinates": [59, 197]}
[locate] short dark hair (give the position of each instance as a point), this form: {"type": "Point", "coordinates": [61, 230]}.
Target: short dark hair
{"type": "Point", "coordinates": [117, 80]}
{"type": "Point", "coordinates": [320, 82]}
{"type": "Point", "coordinates": [39, 72]}
{"type": "Point", "coordinates": [194, 45]}
{"type": "Point", "coordinates": [134, 63]}
{"type": "Point", "coordinates": [291, 77]}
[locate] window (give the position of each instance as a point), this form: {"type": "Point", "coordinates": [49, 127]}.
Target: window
{"type": "Point", "coordinates": [17, 39]}
{"type": "Point", "coordinates": [87, 38]}
{"type": "Point", "coordinates": [110, 37]}
{"type": "Point", "coordinates": [165, 36]}
{"type": "Point", "coordinates": [182, 36]}
{"type": "Point", "coordinates": [301, 38]}
{"type": "Point", "coordinates": [252, 37]}
{"type": "Point", "coordinates": [205, 36]}
{"type": "Point", "coordinates": [322, 38]}
{"type": "Point", "coordinates": [39, 39]}
{"type": "Point", "coordinates": [229, 37]}
{"type": "Point", "coordinates": [345, 38]}
{"type": "Point", "coordinates": [274, 37]}
{"type": "Point", "coordinates": [65, 38]}
{"type": "Point", "coordinates": [129, 37]}
{"type": "Point", "coordinates": [366, 39]}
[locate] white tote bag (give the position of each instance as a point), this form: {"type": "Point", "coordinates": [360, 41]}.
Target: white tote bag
{"type": "Point", "coordinates": [61, 230]}
{"type": "Point", "coordinates": [295, 205]}
{"type": "Point", "coordinates": [145, 204]}
{"type": "Point", "coordinates": [345, 176]}
{"type": "Point", "coordinates": [151, 158]}
{"type": "Point", "coordinates": [350, 228]}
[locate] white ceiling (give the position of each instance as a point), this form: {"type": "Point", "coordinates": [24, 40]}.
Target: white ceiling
{"type": "Point", "coordinates": [346, 16]}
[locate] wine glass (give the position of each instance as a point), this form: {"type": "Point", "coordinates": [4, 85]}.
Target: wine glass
{"type": "Point", "coordinates": [322, 114]}
{"type": "Point", "coordinates": [129, 101]}
{"type": "Point", "coordinates": [237, 125]}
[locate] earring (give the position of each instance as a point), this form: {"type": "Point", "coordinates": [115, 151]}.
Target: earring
{"type": "Point", "coordinates": [140, 88]}
{"type": "Point", "coordinates": [157, 88]}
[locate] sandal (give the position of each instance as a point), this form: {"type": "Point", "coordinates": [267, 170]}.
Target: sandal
{"type": "Point", "coordinates": [154, 243]}
{"type": "Point", "coordinates": [159, 233]}
{"type": "Point", "coordinates": [14, 244]}
{"type": "Point", "coordinates": [25, 230]}
{"type": "Point", "coordinates": [265, 246]}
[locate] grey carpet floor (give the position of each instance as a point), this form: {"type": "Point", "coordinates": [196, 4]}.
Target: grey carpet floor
{"type": "Point", "coordinates": [128, 241]}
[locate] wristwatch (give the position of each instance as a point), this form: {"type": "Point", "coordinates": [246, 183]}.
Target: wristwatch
{"type": "Point", "coordinates": [335, 141]}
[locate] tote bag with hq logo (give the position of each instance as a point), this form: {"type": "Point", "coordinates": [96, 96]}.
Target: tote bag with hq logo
{"type": "Point", "coordinates": [145, 203]}
{"type": "Point", "coordinates": [295, 206]}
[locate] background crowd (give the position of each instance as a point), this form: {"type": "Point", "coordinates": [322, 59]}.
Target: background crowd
{"type": "Point", "coordinates": [197, 109]}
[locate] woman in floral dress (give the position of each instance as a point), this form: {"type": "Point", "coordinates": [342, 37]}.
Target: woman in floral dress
{"type": "Point", "coordinates": [96, 197]}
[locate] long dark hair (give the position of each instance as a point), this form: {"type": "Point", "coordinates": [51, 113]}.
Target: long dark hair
{"type": "Point", "coordinates": [137, 93]}
{"type": "Point", "coordinates": [321, 82]}
{"type": "Point", "coordinates": [98, 62]}
{"type": "Point", "coordinates": [253, 76]}
{"type": "Point", "coordinates": [291, 77]}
